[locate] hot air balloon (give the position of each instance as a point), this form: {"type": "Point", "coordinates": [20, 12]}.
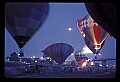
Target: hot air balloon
{"type": "Point", "coordinates": [80, 57]}
{"type": "Point", "coordinates": [79, 27]}
{"type": "Point", "coordinates": [91, 46]}
{"type": "Point", "coordinates": [59, 51]}
{"type": "Point", "coordinates": [22, 20]}
{"type": "Point", "coordinates": [104, 14]}
{"type": "Point", "coordinates": [95, 35]}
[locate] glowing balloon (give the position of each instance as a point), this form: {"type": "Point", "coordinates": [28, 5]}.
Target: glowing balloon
{"type": "Point", "coordinates": [92, 47]}
{"type": "Point", "coordinates": [59, 51]}
{"type": "Point", "coordinates": [93, 33]}
{"type": "Point", "coordinates": [80, 57]}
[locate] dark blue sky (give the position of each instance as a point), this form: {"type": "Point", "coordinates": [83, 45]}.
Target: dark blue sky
{"type": "Point", "coordinates": [61, 16]}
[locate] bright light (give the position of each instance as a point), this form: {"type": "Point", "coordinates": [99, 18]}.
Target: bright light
{"type": "Point", "coordinates": [100, 65]}
{"type": "Point", "coordinates": [36, 61]}
{"type": "Point", "coordinates": [72, 54]}
{"type": "Point", "coordinates": [99, 54]}
{"type": "Point", "coordinates": [92, 63]}
{"type": "Point", "coordinates": [41, 58]}
{"type": "Point", "coordinates": [47, 57]}
{"type": "Point", "coordinates": [27, 63]}
{"type": "Point", "coordinates": [69, 29]}
{"type": "Point", "coordinates": [83, 35]}
{"type": "Point", "coordinates": [86, 50]}
{"type": "Point", "coordinates": [84, 64]}
{"type": "Point", "coordinates": [18, 54]}
{"type": "Point", "coordinates": [33, 56]}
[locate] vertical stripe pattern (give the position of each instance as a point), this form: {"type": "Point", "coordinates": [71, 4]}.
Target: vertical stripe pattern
{"type": "Point", "coordinates": [93, 32]}
{"type": "Point", "coordinates": [59, 51]}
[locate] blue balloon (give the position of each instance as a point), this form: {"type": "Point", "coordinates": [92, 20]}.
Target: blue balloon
{"type": "Point", "coordinates": [59, 51]}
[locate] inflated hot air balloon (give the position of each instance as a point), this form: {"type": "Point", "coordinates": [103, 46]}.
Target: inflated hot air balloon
{"type": "Point", "coordinates": [79, 27]}
{"type": "Point", "coordinates": [95, 35]}
{"type": "Point", "coordinates": [91, 46]}
{"type": "Point", "coordinates": [59, 51]}
{"type": "Point", "coordinates": [104, 14]}
{"type": "Point", "coordinates": [22, 20]}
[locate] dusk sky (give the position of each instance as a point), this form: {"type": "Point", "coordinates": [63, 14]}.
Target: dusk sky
{"type": "Point", "coordinates": [61, 16]}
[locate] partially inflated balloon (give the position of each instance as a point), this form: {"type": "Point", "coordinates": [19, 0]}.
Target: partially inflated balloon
{"type": "Point", "coordinates": [22, 20]}
{"type": "Point", "coordinates": [80, 57]}
{"type": "Point", "coordinates": [59, 51]}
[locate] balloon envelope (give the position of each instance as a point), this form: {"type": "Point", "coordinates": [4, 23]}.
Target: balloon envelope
{"type": "Point", "coordinates": [104, 14]}
{"type": "Point", "coordinates": [59, 51]}
{"type": "Point", "coordinates": [94, 34]}
{"type": "Point", "coordinates": [80, 59]}
{"type": "Point", "coordinates": [79, 27]}
{"type": "Point", "coordinates": [22, 20]}
{"type": "Point", "coordinates": [91, 46]}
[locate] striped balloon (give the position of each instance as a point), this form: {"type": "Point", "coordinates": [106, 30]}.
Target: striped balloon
{"type": "Point", "coordinates": [91, 46]}
{"type": "Point", "coordinates": [93, 32]}
{"type": "Point", "coordinates": [59, 51]}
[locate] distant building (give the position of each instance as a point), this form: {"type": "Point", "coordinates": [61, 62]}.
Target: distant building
{"type": "Point", "coordinates": [25, 60]}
